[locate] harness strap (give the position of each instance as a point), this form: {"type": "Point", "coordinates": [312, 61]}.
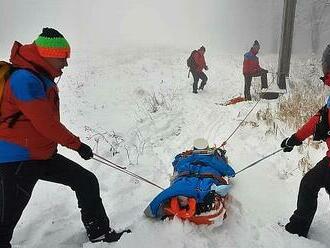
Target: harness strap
{"type": "Point", "coordinates": [202, 175]}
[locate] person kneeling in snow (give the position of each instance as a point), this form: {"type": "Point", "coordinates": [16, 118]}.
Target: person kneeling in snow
{"type": "Point", "coordinates": [198, 187]}
{"type": "Point", "coordinates": [319, 176]}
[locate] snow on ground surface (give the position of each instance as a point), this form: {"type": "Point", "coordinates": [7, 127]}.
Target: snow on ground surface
{"type": "Point", "coordinates": [136, 108]}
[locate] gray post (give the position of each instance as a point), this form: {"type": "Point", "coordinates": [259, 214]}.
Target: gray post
{"type": "Point", "coordinates": [289, 10]}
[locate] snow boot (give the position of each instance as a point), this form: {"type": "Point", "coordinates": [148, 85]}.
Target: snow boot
{"type": "Point", "coordinates": [300, 229]}
{"type": "Point", "coordinates": [111, 236]}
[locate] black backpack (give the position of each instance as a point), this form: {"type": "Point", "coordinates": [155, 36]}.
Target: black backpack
{"type": "Point", "coordinates": [190, 61]}
{"type": "Point", "coordinates": [322, 127]}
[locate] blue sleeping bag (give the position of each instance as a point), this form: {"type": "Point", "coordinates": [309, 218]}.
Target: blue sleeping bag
{"type": "Point", "coordinates": [191, 180]}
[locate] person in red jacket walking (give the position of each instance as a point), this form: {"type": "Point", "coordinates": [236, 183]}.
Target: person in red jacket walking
{"type": "Point", "coordinates": [196, 65]}
{"type": "Point", "coordinates": [319, 176]}
{"type": "Point", "coordinates": [251, 68]}
{"type": "Point", "coordinates": [30, 130]}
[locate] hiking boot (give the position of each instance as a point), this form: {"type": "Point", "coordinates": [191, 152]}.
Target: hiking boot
{"type": "Point", "coordinates": [195, 91]}
{"type": "Point", "coordinates": [201, 87]}
{"type": "Point", "coordinates": [292, 228]}
{"type": "Point", "coordinates": [111, 236]}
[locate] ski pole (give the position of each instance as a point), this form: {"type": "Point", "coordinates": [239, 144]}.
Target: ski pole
{"type": "Point", "coordinates": [256, 162]}
{"type": "Point", "coordinates": [120, 168]}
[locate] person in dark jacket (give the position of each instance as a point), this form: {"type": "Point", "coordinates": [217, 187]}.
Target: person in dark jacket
{"type": "Point", "coordinates": [251, 68]}
{"type": "Point", "coordinates": [197, 68]}
{"type": "Point", "coordinates": [319, 176]}
{"type": "Point", "coordinates": [30, 130]}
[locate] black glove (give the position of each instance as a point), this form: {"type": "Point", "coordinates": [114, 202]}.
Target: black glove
{"type": "Point", "coordinates": [289, 143]}
{"type": "Point", "coordinates": [85, 151]}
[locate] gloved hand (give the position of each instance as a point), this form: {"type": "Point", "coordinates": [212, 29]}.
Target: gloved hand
{"type": "Point", "coordinates": [85, 151]}
{"type": "Point", "coordinates": [289, 143]}
{"type": "Point", "coordinates": [206, 67]}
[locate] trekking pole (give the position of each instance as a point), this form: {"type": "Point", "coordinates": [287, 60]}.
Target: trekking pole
{"type": "Point", "coordinates": [256, 162]}
{"type": "Point", "coordinates": [120, 168]}
{"type": "Point", "coordinates": [255, 105]}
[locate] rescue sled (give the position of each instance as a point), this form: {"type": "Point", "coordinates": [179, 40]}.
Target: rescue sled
{"type": "Point", "coordinates": [198, 189]}
{"type": "Point", "coordinates": [232, 101]}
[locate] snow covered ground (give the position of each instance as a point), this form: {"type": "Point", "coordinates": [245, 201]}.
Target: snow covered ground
{"type": "Point", "coordinates": [136, 108]}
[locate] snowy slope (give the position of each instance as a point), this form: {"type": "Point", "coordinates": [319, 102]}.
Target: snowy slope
{"type": "Point", "coordinates": [105, 100]}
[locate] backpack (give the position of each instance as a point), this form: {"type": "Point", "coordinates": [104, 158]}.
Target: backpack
{"type": "Point", "coordinates": [190, 61]}
{"type": "Point", "coordinates": [5, 70]}
{"type": "Point", "coordinates": [322, 127]}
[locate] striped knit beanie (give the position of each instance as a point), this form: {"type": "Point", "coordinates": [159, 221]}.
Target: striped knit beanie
{"type": "Point", "coordinates": [52, 44]}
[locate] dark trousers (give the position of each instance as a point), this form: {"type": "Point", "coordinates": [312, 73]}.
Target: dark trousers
{"type": "Point", "coordinates": [310, 185]}
{"type": "Point", "coordinates": [197, 76]}
{"type": "Point", "coordinates": [18, 179]}
{"type": "Point", "coordinates": [248, 80]}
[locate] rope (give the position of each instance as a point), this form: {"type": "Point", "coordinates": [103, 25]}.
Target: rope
{"type": "Point", "coordinates": [124, 170]}
{"type": "Point", "coordinates": [255, 105]}
{"type": "Point", "coordinates": [258, 161]}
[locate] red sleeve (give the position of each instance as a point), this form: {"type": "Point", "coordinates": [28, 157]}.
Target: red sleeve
{"type": "Point", "coordinates": [308, 128]}
{"type": "Point", "coordinates": [40, 113]}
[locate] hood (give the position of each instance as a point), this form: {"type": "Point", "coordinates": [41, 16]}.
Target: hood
{"type": "Point", "coordinates": [27, 57]}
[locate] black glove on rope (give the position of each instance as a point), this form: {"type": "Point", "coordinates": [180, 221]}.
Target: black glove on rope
{"type": "Point", "coordinates": [289, 143]}
{"type": "Point", "coordinates": [85, 151]}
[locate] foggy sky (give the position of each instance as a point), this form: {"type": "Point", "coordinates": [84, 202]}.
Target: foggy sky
{"type": "Point", "coordinates": [230, 25]}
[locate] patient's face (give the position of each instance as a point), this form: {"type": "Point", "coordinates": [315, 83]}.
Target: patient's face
{"type": "Point", "coordinates": [183, 201]}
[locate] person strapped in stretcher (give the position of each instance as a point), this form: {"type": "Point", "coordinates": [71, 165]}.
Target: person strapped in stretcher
{"type": "Point", "coordinates": [198, 189]}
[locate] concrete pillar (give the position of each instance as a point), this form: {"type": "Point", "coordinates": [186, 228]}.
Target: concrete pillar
{"type": "Point", "coordinates": [289, 10]}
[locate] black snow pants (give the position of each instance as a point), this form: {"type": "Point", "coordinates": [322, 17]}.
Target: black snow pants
{"type": "Point", "coordinates": [197, 76]}
{"type": "Point", "coordinates": [18, 179]}
{"type": "Point", "coordinates": [310, 185]}
{"type": "Point", "coordinates": [248, 80]}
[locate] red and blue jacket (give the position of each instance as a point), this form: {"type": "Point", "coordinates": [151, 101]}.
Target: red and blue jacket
{"type": "Point", "coordinates": [31, 90]}
{"type": "Point", "coordinates": [251, 63]}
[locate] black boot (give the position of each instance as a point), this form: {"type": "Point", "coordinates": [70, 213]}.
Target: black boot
{"type": "Point", "coordinates": [298, 226]}
{"type": "Point", "coordinates": [111, 236]}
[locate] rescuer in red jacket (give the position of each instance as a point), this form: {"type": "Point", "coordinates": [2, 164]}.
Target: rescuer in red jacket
{"type": "Point", "coordinates": [196, 63]}
{"type": "Point", "coordinates": [251, 68]}
{"type": "Point", "coordinates": [30, 130]}
{"type": "Point", "coordinates": [319, 176]}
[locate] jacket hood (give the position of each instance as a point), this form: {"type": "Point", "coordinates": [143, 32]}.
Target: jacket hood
{"type": "Point", "coordinates": [27, 57]}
